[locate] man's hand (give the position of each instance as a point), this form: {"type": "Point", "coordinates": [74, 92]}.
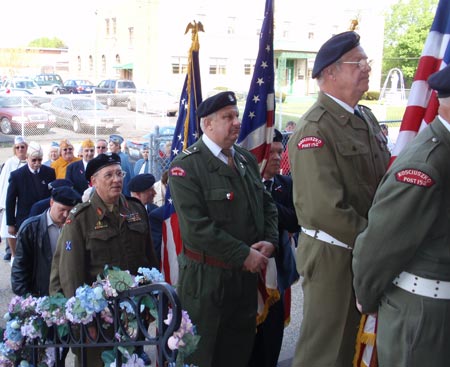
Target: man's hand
{"type": "Point", "coordinates": [264, 247]}
{"type": "Point", "coordinates": [255, 261]}
{"type": "Point", "coordinates": [12, 230]}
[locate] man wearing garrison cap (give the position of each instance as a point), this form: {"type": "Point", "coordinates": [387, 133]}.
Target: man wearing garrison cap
{"type": "Point", "coordinates": [338, 156]}
{"type": "Point", "coordinates": [108, 229]}
{"type": "Point", "coordinates": [75, 171]}
{"type": "Point", "coordinates": [27, 185]}
{"type": "Point", "coordinates": [401, 260]}
{"type": "Point", "coordinates": [66, 151]}
{"type": "Point", "coordinates": [228, 224]}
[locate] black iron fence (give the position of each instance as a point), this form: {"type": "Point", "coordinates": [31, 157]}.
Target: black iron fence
{"type": "Point", "coordinates": [150, 304]}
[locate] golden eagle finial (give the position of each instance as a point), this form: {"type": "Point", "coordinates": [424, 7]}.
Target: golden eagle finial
{"type": "Point", "coordinates": [194, 26]}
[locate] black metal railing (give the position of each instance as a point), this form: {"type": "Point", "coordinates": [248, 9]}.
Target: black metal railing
{"type": "Point", "coordinates": [161, 295]}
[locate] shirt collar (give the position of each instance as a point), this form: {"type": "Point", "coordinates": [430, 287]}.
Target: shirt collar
{"type": "Point", "coordinates": [342, 104]}
{"type": "Point", "coordinates": [444, 122]}
{"type": "Point", "coordinates": [213, 147]}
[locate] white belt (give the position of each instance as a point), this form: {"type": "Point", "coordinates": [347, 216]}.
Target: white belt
{"type": "Point", "coordinates": [325, 237]}
{"type": "Point", "coordinates": [423, 286]}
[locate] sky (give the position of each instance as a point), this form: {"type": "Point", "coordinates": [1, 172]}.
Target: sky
{"type": "Point", "coordinates": [28, 20]}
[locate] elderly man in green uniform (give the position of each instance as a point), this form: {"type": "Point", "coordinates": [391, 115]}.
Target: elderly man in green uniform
{"type": "Point", "coordinates": [108, 229]}
{"type": "Point", "coordinates": [402, 260]}
{"type": "Point", "coordinates": [228, 224]}
{"type": "Point", "coordinates": [338, 156]}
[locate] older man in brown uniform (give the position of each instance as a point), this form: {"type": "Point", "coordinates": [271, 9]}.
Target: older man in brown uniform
{"type": "Point", "coordinates": [337, 159]}
{"type": "Point", "coordinates": [109, 229]}
{"type": "Point", "coordinates": [402, 259]}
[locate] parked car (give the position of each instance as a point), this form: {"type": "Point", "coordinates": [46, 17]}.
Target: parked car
{"type": "Point", "coordinates": [77, 86]}
{"type": "Point", "coordinates": [16, 111]}
{"type": "Point", "coordinates": [33, 98]}
{"type": "Point", "coordinates": [50, 83]}
{"type": "Point", "coordinates": [23, 83]}
{"type": "Point", "coordinates": [114, 91]}
{"type": "Point", "coordinates": [153, 101]}
{"type": "Point", "coordinates": [81, 113]}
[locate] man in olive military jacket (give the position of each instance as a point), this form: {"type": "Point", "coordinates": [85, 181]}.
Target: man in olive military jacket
{"type": "Point", "coordinates": [402, 260]}
{"type": "Point", "coordinates": [337, 160]}
{"type": "Point", "coordinates": [228, 224]}
{"type": "Point", "coordinates": [108, 229]}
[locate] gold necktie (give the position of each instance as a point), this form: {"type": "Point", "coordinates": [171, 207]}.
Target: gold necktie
{"type": "Point", "coordinates": [229, 155]}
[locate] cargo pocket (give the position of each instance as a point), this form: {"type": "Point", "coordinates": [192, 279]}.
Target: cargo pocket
{"type": "Point", "coordinates": [218, 201]}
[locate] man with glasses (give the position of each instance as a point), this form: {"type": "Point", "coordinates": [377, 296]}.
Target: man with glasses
{"type": "Point", "coordinates": [66, 157]}
{"type": "Point", "coordinates": [27, 185]}
{"type": "Point", "coordinates": [17, 160]}
{"type": "Point", "coordinates": [75, 171]}
{"type": "Point", "coordinates": [101, 147]}
{"type": "Point", "coordinates": [109, 229]}
{"type": "Point", "coordinates": [338, 156]}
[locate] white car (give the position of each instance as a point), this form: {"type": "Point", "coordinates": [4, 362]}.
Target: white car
{"type": "Point", "coordinates": [22, 83]}
{"type": "Point", "coordinates": [157, 102]}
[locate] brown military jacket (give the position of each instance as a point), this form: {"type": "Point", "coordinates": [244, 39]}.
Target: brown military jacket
{"type": "Point", "coordinates": [337, 161]}
{"type": "Point", "coordinates": [93, 237]}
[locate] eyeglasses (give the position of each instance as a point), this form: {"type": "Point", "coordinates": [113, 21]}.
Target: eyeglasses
{"type": "Point", "coordinates": [88, 150]}
{"type": "Point", "coordinates": [20, 147]}
{"type": "Point", "coordinates": [100, 147]}
{"type": "Point", "coordinates": [110, 175]}
{"type": "Point", "coordinates": [67, 149]}
{"type": "Point", "coordinates": [362, 64]}
{"type": "Point", "coordinates": [34, 160]}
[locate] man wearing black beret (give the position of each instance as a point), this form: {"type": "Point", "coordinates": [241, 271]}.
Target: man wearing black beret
{"type": "Point", "coordinates": [36, 244]}
{"type": "Point", "coordinates": [338, 156]}
{"type": "Point", "coordinates": [401, 260]}
{"type": "Point", "coordinates": [108, 229]}
{"type": "Point", "coordinates": [228, 224]}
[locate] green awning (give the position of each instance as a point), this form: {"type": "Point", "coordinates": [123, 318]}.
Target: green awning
{"type": "Point", "coordinates": [128, 66]}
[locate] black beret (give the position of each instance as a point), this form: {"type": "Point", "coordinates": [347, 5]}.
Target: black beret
{"type": "Point", "coordinates": [102, 160]}
{"type": "Point", "coordinates": [116, 139]}
{"type": "Point", "coordinates": [215, 103]}
{"type": "Point", "coordinates": [141, 182]}
{"type": "Point", "coordinates": [333, 49]}
{"type": "Point", "coordinates": [59, 183]}
{"type": "Point", "coordinates": [66, 195]}
{"type": "Point", "coordinates": [440, 82]}
{"type": "Point", "coordinates": [277, 136]}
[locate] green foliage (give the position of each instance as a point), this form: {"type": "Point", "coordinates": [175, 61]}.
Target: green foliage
{"type": "Point", "coordinates": [407, 26]}
{"type": "Point", "coordinates": [47, 43]}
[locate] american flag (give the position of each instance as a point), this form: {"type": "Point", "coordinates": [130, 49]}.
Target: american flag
{"type": "Point", "coordinates": [258, 119]}
{"type": "Point", "coordinates": [421, 110]}
{"type": "Point", "coordinates": [257, 134]}
{"type": "Point", "coordinates": [187, 131]}
{"type": "Point", "coordinates": [422, 102]}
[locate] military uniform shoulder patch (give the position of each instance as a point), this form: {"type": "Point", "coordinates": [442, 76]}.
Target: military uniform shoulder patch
{"type": "Point", "coordinates": [177, 172]}
{"type": "Point", "coordinates": [414, 177]}
{"type": "Point", "coordinates": [310, 142]}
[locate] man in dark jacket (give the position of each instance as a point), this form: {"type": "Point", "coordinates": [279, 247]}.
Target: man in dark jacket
{"type": "Point", "coordinates": [269, 334]}
{"type": "Point", "coordinates": [27, 185]}
{"type": "Point", "coordinates": [36, 244]}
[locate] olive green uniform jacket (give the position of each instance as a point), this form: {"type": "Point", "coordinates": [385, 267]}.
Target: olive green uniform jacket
{"type": "Point", "coordinates": [93, 237]}
{"type": "Point", "coordinates": [221, 213]}
{"type": "Point", "coordinates": [409, 230]}
{"type": "Point", "coordinates": [337, 161]}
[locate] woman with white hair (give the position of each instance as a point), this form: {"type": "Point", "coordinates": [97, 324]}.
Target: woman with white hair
{"type": "Point", "coordinates": [17, 160]}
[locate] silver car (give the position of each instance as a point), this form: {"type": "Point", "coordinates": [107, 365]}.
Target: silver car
{"type": "Point", "coordinates": [82, 113]}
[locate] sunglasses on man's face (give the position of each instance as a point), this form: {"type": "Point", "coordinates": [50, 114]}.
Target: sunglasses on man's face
{"type": "Point", "coordinates": [20, 147]}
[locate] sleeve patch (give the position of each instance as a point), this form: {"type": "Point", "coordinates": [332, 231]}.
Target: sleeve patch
{"type": "Point", "coordinates": [177, 171]}
{"type": "Point", "coordinates": [414, 177]}
{"type": "Point", "coordinates": [310, 142]}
